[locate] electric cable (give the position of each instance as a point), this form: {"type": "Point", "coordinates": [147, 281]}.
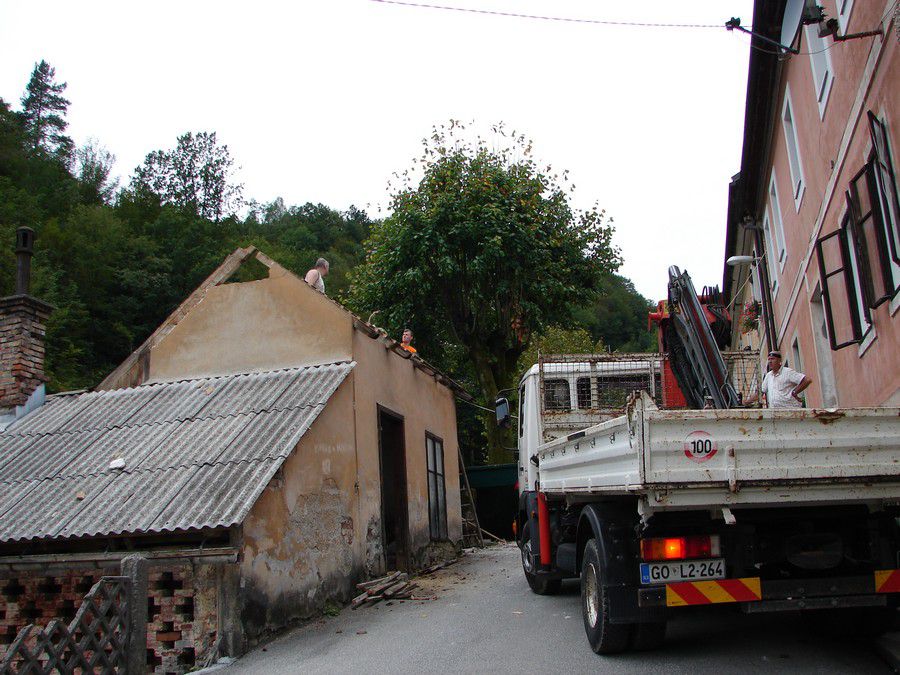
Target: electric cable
{"type": "Point", "coordinates": [602, 22]}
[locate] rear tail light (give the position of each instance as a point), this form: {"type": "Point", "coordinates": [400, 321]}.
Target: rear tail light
{"type": "Point", "coordinates": [680, 548]}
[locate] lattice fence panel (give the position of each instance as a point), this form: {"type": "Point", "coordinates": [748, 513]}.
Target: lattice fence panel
{"type": "Point", "coordinates": [95, 641]}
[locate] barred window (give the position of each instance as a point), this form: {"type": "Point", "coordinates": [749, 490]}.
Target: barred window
{"type": "Point", "coordinates": [556, 395]}
{"type": "Point", "coordinates": [437, 493]}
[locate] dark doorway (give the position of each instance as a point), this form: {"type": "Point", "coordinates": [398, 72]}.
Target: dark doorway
{"type": "Point", "coordinates": [392, 450]}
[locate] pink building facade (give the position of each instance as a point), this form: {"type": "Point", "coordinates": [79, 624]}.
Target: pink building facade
{"type": "Point", "coordinates": [815, 203]}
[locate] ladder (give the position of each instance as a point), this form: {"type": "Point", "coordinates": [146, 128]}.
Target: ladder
{"type": "Point", "coordinates": [471, 528]}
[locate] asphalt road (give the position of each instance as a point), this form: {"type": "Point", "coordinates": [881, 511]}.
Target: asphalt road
{"type": "Point", "coordinates": [486, 619]}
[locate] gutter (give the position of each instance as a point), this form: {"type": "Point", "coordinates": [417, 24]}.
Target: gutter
{"type": "Point", "coordinates": [417, 361]}
{"type": "Point", "coordinates": [220, 555]}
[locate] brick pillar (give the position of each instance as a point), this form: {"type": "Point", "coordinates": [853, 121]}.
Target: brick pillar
{"type": "Point", "coordinates": [23, 325]}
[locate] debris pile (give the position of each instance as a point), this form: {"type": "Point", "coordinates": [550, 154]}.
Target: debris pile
{"type": "Point", "coordinates": [392, 586]}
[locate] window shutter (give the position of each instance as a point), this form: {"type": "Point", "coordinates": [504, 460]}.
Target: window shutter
{"type": "Point", "coordinates": [868, 237]}
{"type": "Point", "coordinates": [887, 203]}
{"type": "Point", "coordinates": [836, 296]}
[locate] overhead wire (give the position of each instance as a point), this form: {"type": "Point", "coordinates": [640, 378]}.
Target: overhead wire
{"type": "Point", "coordinates": [602, 22]}
{"type": "Point", "coordinates": [563, 19]}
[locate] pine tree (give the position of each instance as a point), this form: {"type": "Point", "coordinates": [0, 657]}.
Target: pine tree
{"type": "Point", "coordinates": [43, 112]}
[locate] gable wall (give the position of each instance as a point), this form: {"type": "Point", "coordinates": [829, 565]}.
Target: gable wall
{"type": "Point", "coordinates": [386, 379]}
{"type": "Point", "coordinates": [252, 326]}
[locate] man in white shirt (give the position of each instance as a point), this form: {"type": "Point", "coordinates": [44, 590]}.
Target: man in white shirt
{"type": "Point", "coordinates": [316, 276]}
{"type": "Point", "coordinates": [782, 386]}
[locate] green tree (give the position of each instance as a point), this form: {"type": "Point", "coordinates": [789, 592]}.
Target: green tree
{"type": "Point", "coordinates": [44, 112]}
{"type": "Point", "coordinates": [94, 164]}
{"type": "Point", "coordinates": [482, 252]}
{"type": "Point", "coordinates": [195, 176]}
{"type": "Point", "coordinates": [617, 316]}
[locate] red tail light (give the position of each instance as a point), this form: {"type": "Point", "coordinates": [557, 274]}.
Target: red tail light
{"type": "Point", "coordinates": [680, 548]}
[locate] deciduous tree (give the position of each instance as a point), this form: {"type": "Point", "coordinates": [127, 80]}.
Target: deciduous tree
{"type": "Point", "coordinates": [196, 176]}
{"type": "Point", "coordinates": [483, 249]}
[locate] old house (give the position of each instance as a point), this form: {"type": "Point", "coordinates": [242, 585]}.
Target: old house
{"type": "Point", "coordinates": [264, 448]}
{"type": "Point", "coordinates": [814, 210]}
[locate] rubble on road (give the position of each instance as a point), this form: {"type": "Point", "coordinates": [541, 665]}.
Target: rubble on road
{"type": "Point", "coordinates": [393, 586]}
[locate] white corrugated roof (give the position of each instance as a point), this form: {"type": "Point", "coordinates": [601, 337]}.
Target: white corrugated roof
{"type": "Point", "coordinates": [197, 453]}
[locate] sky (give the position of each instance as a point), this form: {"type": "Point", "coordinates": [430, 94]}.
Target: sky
{"type": "Point", "coordinates": [322, 101]}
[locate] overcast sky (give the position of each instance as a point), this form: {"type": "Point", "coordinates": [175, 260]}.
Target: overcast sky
{"type": "Point", "coordinates": [323, 101]}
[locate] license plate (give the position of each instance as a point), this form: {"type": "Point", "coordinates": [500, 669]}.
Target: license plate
{"type": "Point", "coordinates": [685, 570]}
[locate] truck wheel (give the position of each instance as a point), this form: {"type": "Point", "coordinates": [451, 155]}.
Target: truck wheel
{"type": "Point", "coordinates": [647, 636]}
{"type": "Point", "coordinates": [604, 637]}
{"type": "Point", "coordinates": [539, 583]}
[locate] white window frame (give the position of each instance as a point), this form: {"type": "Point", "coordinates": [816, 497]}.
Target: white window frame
{"type": "Point", "coordinates": [755, 285]}
{"type": "Point", "coordinates": [778, 229]}
{"type": "Point", "coordinates": [890, 219]}
{"type": "Point", "coordinates": [437, 487]}
{"type": "Point", "coordinates": [843, 9]}
{"type": "Point", "coordinates": [820, 64]}
{"type": "Point", "coordinates": [796, 354]}
{"type": "Point", "coordinates": [771, 264]}
{"type": "Point", "coordinates": [795, 162]}
{"type": "Point", "coordinates": [859, 293]}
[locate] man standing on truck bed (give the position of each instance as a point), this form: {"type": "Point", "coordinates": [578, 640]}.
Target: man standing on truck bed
{"type": "Point", "coordinates": [782, 386]}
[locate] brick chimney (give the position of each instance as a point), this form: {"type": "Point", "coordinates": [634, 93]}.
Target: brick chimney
{"type": "Point", "coordinates": [23, 325]}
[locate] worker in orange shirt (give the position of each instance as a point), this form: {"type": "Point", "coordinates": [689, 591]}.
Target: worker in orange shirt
{"type": "Point", "coordinates": [406, 340]}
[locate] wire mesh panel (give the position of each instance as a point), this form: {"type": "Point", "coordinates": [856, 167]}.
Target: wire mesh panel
{"type": "Point", "coordinates": [744, 373]}
{"type": "Point", "coordinates": [578, 390]}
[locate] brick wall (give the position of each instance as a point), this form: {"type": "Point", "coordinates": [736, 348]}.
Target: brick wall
{"type": "Point", "coordinates": [181, 609]}
{"type": "Point", "coordinates": [23, 325]}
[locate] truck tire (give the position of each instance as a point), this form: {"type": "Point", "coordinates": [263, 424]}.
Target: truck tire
{"type": "Point", "coordinates": [648, 636]}
{"type": "Point", "coordinates": [604, 637]}
{"type": "Point", "coordinates": [539, 583]}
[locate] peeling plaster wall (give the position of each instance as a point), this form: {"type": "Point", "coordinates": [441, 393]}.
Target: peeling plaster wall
{"type": "Point", "coordinates": [315, 530]}
{"type": "Point", "coordinates": [387, 379]}
{"type": "Point", "coordinates": [303, 542]}
{"type": "Point", "coordinates": [272, 323]}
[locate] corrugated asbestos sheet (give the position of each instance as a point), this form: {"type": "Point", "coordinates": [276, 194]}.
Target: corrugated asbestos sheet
{"type": "Point", "coordinates": [197, 453]}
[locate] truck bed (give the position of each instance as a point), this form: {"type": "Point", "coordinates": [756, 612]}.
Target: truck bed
{"type": "Point", "coordinates": [676, 459]}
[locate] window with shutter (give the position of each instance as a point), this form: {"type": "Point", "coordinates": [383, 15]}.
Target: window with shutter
{"type": "Point", "coordinates": [846, 313]}
{"type": "Point", "coordinates": [882, 182]}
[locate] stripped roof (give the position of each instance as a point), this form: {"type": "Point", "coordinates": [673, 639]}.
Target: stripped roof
{"type": "Point", "coordinates": [194, 453]}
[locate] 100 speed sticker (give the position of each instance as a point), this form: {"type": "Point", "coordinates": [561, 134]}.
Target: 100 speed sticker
{"type": "Point", "coordinates": [699, 446]}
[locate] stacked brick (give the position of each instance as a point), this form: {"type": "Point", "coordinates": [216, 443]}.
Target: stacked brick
{"type": "Point", "coordinates": [23, 326]}
{"type": "Point", "coordinates": [181, 616]}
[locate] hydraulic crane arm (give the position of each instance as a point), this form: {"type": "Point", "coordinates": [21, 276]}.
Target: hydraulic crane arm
{"type": "Point", "coordinates": [697, 361]}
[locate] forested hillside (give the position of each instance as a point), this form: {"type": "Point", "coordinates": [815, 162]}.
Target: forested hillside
{"type": "Point", "coordinates": [115, 259]}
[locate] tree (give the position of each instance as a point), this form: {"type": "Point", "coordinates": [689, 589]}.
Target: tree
{"type": "Point", "coordinates": [196, 176]}
{"type": "Point", "coordinates": [94, 164]}
{"type": "Point", "coordinates": [44, 112]}
{"type": "Point", "coordinates": [482, 252]}
{"type": "Point", "coordinates": [617, 317]}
